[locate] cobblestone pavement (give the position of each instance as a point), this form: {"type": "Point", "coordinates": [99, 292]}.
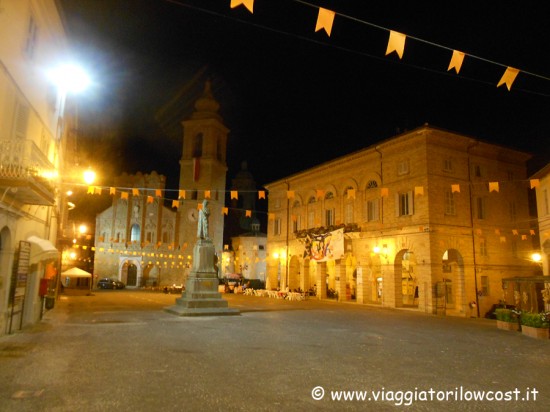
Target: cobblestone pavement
{"type": "Point", "coordinates": [120, 351]}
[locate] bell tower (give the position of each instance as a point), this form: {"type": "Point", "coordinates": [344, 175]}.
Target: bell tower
{"type": "Point", "coordinates": [203, 171]}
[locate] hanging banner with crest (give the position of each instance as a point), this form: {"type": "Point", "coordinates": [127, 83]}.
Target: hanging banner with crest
{"type": "Point", "coordinates": [325, 246]}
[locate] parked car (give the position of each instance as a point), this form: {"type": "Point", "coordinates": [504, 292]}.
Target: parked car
{"type": "Point", "coordinates": [107, 283]}
{"type": "Point", "coordinates": [119, 284]}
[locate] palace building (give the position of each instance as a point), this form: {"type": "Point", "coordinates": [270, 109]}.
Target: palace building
{"type": "Point", "coordinates": [430, 219]}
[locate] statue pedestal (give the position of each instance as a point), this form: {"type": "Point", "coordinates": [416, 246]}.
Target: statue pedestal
{"type": "Point", "coordinates": [201, 296]}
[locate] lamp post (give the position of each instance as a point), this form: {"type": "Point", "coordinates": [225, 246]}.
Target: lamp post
{"type": "Point", "coordinates": [68, 78]}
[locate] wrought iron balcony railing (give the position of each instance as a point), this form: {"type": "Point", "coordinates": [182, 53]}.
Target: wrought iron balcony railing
{"type": "Point", "coordinates": [26, 172]}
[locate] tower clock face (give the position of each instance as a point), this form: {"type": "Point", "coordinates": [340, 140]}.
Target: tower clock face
{"type": "Point", "coordinates": [192, 215]}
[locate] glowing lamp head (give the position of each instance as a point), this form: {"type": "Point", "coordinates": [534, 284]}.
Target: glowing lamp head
{"type": "Point", "coordinates": [89, 176]}
{"type": "Point", "coordinates": [69, 78]}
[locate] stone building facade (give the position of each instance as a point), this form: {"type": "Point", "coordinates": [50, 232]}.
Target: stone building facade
{"type": "Point", "coordinates": [543, 213]}
{"type": "Point", "coordinates": [429, 219]}
{"type": "Point", "coordinates": [34, 129]}
{"type": "Point", "coordinates": [135, 236]}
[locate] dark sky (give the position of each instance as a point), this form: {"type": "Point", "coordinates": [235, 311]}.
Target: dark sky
{"type": "Point", "coordinates": [293, 97]}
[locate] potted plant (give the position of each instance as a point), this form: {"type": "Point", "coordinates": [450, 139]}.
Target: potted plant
{"type": "Point", "coordinates": [507, 319]}
{"type": "Point", "coordinates": [536, 325]}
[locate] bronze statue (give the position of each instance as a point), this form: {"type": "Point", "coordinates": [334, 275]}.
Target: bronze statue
{"type": "Point", "coordinates": [202, 229]}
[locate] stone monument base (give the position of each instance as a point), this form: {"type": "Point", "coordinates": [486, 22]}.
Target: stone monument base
{"type": "Point", "coordinates": [201, 296]}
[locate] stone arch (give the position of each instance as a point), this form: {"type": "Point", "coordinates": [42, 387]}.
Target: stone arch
{"type": "Point", "coordinates": [294, 276]}
{"type": "Point", "coordinates": [450, 289]}
{"type": "Point", "coordinates": [406, 275]}
{"type": "Point", "coordinates": [370, 177]}
{"type": "Point", "coordinates": [130, 271]}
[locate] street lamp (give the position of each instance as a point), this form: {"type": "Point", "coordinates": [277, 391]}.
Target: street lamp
{"type": "Point", "coordinates": [68, 78]}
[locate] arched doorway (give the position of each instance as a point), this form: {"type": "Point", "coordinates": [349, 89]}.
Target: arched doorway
{"type": "Point", "coordinates": [294, 280]}
{"type": "Point", "coordinates": [131, 275]}
{"type": "Point", "coordinates": [374, 276]}
{"type": "Point", "coordinates": [130, 272]}
{"type": "Point", "coordinates": [450, 288]}
{"type": "Point", "coordinates": [405, 273]}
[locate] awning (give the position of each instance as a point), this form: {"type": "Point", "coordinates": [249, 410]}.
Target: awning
{"type": "Point", "coordinates": [76, 273]}
{"type": "Point", "coordinates": [42, 249]}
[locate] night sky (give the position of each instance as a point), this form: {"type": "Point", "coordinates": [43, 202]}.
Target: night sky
{"type": "Point", "coordinates": [293, 97]}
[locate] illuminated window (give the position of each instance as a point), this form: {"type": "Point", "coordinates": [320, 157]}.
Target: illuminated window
{"type": "Point", "coordinates": [135, 233]}
{"type": "Point", "coordinates": [277, 226]}
{"type": "Point", "coordinates": [32, 36]}
{"type": "Point", "coordinates": [404, 204]}
{"type": "Point", "coordinates": [483, 247]}
{"type": "Point", "coordinates": [329, 217]}
{"type": "Point", "coordinates": [403, 167]}
{"type": "Point", "coordinates": [311, 219]}
{"type": "Point", "coordinates": [450, 208]}
{"type": "Point", "coordinates": [348, 213]}
{"type": "Point", "coordinates": [481, 207]}
{"type": "Point", "coordinates": [485, 285]}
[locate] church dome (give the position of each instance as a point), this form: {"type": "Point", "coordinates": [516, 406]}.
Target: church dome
{"type": "Point", "coordinates": [206, 106]}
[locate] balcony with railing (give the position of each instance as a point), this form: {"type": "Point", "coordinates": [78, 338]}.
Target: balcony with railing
{"type": "Point", "coordinates": [27, 172]}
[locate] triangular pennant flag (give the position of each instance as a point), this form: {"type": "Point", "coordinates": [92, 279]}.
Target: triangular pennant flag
{"type": "Point", "coordinates": [320, 194]}
{"type": "Point", "coordinates": [175, 203]}
{"type": "Point", "coordinates": [135, 192]}
{"type": "Point", "coordinates": [271, 216]}
{"type": "Point", "coordinates": [249, 4]}
{"type": "Point", "coordinates": [396, 43]}
{"type": "Point", "coordinates": [149, 199]}
{"type": "Point", "coordinates": [502, 239]}
{"type": "Point", "coordinates": [419, 190]}
{"type": "Point", "coordinates": [248, 213]}
{"type": "Point", "coordinates": [158, 193]}
{"type": "Point", "coordinates": [124, 195]}
{"type": "Point", "coordinates": [508, 77]}
{"type": "Point", "coordinates": [225, 210]}
{"type": "Point", "coordinates": [207, 194]}
{"type": "Point", "coordinates": [456, 61]}
{"type": "Point", "coordinates": [351, 194]}
{"type": "Point", "coordinates": [261, 194]}
{"type": "Point", "coordinates": [534, 183]}
{"type": "Point", "coordinates": [90, 190]}
{"type": "Point", "coordinates": [523, 237]}
{"type": "Point", "coordinates": [532, 232]}
{"type": "Point", "coordinates": [455, 188]}
{"type": "Point", "coordinates": [181, 194]}
{"type": "Point", "coordinates": [112, 190]}
{"type": "Point", "coordinates": [493, 187]}
{"type": "Point", "coordinates": [384, 192]}
{"type": "Point", "coordinates": [234, 194]}
{"type": "Point", "coordinates": [515, 232]}
{"type": "Point", "coordinates": [325, 19]}
{"type": "Point", "coordinates": [290, 194]}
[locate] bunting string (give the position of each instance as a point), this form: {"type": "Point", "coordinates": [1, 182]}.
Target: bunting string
{"type": "Point", "coordinates": [150, 194]}
{"type": "Point", "coordinates": [396, 41]}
